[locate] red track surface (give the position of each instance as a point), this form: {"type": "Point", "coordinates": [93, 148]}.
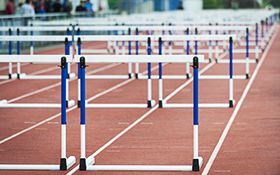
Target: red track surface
{"type": "Point", "coordinates": [164, 137]}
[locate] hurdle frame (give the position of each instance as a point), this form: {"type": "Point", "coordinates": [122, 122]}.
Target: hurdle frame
{"type": "Point", "coordinates": [65, 163]}
{"type": "Point", "coordinates": [128, 38]}
{"type": "Point", "coordinates": [112, 59]}
{"type": "Point", "coordinates": [36, 59]}
{"type": "Point", "coordinates": [33, 38]}
{"type": "Point", "coordinates": [87, 164]}
{"type": "Point", "coordinates": [38, 38]}
{"type": "Point", "coordinates": [164, 104]}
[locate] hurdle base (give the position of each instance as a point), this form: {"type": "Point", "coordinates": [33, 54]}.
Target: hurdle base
{"type": "Point", "coordinates": [70, 162]}
{"type": "Point", "coordinates": [221, 77]}
{"type": "Point", "coordinates": [121, 105]}
{"type": "Point", "coordinates": [236, 61]}
{"type": "Point", "coordinates": [197, 163]}
{"type": "Point", "coordinates": [4, 104]}
{"type": "Point", "coordinates": [231, 103]}
{"type": "Point", "coordinates": [82, 166]}
{"type": "Point", "coordinates": [109, 76]}
{"type": "Point", "coordinates": [190, 105]}
{"type": "Point", "coordinates": [170, 77]}
{"type": "Point", "coordinates": [23, 76]}
{"type": "Point", "coordinates": [196, 166]}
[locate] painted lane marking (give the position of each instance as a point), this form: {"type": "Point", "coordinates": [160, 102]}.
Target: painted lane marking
{"type": "Point", "coordinates": [146, 123]}
{"type": "Point", "coordinates": [53, 123]}
{"type": "Point", "coordinates": [246, 90]}
{"type": "Point", "coordinates": [29, 122]}
{"type": "Point", "coordinates": [123, 123]}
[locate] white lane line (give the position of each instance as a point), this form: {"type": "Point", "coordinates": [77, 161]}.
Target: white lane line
{"type": "Point", "coordinates": [224, 134]}
{"type": "Point", "coordinates": [141, 118]}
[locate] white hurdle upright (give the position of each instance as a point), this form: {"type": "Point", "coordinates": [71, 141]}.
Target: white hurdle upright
{"type": "Point", "coordinates": [35, 59]}
{"type": "Point", "coordinates": [87, 164]}
{"type": "Point", "coordinates": [65, 163]}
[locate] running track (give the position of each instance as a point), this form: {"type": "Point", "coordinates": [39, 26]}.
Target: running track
{"type": "Point", "coordinates": [239, 140]}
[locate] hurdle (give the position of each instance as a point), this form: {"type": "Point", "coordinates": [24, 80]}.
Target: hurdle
{"type": "Point", "coordinates": [35, 59]}
{"type": "Point", "coordinates": [33, 29]}
{"type": "Point", "coordinates": [10, 74]}
{"type": "Point", "coordinates": [35, 38]}
{"type": "Point", "coordinates": [110, 43]}
{"type": "Point", "coordinates": [112, 59]}
{"type": "Point", "coordinates": [187, 38]}
{"type": "Point", "coordinates": [164, 104]}
{"type": "Point", "coordinates": [87, 164]}
{"type": "Point", "coordinates": [247, 60]}
{"type": "Point", "coordinates": [65, 163]}
{"type": "Point", "coordinates": [128, 38]}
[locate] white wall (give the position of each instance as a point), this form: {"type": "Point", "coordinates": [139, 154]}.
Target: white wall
{"type": "Point", "coordinates": [191, 5]}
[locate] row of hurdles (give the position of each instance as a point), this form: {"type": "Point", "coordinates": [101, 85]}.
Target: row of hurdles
{"type": "Point", "coordinates": [186, 49]}
{"type": "Point", "coordinates": [185, 38]}
{"type": "Point", "coordinates": [83, 60]}
{"type": "Point", "coordinates": [240, 31]}
{"type": "Point", "coordinates": [87, 163]}
{"type": "Point", "coordinates": [160, 77]}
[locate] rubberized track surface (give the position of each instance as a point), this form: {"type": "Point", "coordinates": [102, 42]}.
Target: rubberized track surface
{"type": "Point", "coordinates": [239, 140]}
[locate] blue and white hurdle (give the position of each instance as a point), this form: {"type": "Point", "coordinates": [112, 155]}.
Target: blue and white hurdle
{"type": "Point", "coordinates": [164, 104]}
{"type": "Point", "coordinates": [112, 59]}
{"type": "Point", "coordinates": [42, 59]}
{"type": "Point", "coordinates": [36, 38]}
{"type": "Point", "coordinates": [33, 29]}
{"type": "Point", "coordinates": [187, 38]}
{"type": "Point", "coordinates": [114, 38]}
{"type": "Point", "coordinates": [65, 163]}
{"type": "Point", "coordinates": [87, 163]}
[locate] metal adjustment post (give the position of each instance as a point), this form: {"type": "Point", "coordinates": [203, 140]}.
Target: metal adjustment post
{"type": "Point", "coordinates": [18, 53]}
{"type": "Point", "coordinates": [83, 114]}
{"type": "Point", "coordinates": [129, 53]}
{"type": "Point", "coordinates": [160, 74]}
{"type": "Point", "coordinates": [195, 165]}
{"type": "Point", "coordinates": [230, 74]}
{"type": "Point", "coordinates": [136, 53]}
{"type": "Point", "coordinates": [195, 42]}
{"type": "Point", "coordinates": [247, 53]}
{"type": "Point", "coordinates": [149, 74]}
{"type": "Point", "coordinates": [188, 52]}
{"type": "Point", "coordinates": [63, 159]}
{"type": "Point", "coordinates": [10, 53]}
{"type": "Point", "coordinates": [79, 42]}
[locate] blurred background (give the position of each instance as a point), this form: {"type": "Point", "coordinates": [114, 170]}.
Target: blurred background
{"type": "Point", "coordinates": [103, 7]}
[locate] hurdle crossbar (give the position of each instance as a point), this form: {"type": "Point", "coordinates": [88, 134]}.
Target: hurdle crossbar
{"type": "Point", "coordinates": [86, 164]}
{"type": "Point", "coordinates": [65, 163]}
